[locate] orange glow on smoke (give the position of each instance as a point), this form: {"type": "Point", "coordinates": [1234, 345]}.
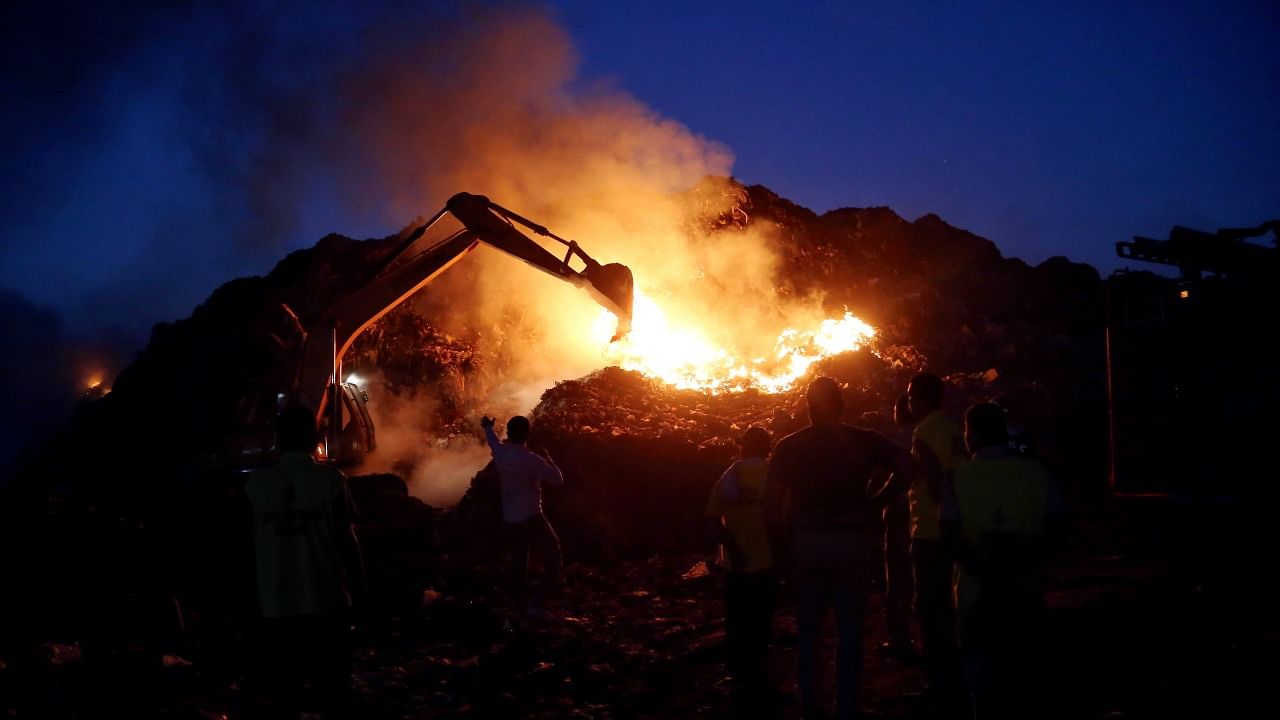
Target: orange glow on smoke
{"type": "Point", "coordinates": [94, 385]}
{"type": "Point", "coordinates": [677, 352]}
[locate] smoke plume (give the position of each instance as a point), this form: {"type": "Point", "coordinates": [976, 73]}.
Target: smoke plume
{"type": "Point", "coordinates": [493, 105]}
{"type": "Point", "coordinates": [282, 124]}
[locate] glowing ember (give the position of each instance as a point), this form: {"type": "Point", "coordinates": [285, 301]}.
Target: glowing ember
{"type": "Point", "coordinates": [680, 355]}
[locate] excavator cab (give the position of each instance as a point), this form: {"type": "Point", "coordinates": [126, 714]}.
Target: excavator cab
{"type": "Point", "coordinates": [354, 436]}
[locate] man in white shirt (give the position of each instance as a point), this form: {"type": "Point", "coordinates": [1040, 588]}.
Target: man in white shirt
{"type": "Point", "coordinates": [522, 473]}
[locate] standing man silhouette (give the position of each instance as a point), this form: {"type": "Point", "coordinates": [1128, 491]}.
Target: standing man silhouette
{"type": "Point", "coordinates": [522, 473]}
{"type": "Point", "coordinates": [818, 503]}
{"type": "Point", "coordinates": [938, 444]}
{"type": "Point", "coordinates": [309, 570]}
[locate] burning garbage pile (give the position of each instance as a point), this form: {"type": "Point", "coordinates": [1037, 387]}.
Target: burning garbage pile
{"type": "Point", "coordinates": [642, 439]}
{"type": "Point", "coordinates": [615, 403]}
{"type": "Point", "coordinates": [641, 431]}
{"type": "Point", "coordinates": [640, 456]}
{"type": "Point", "coordinates": [685, 359]}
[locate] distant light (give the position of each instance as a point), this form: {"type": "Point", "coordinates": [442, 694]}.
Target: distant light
{"type": "Point", "coordinates": [1184, 294]}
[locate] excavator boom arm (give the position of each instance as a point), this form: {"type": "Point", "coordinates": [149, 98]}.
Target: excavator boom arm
{"type": "Point", "coordinates": [466, 221]}
{"type": "Point", "coordinates": [611, 285]}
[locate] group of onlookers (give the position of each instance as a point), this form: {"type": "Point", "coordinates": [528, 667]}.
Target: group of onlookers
{"type": "Point", "coordinates": [965, 520]}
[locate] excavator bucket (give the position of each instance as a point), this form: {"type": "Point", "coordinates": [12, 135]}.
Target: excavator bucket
{"type": "Point", "coordinates": [612, 285]}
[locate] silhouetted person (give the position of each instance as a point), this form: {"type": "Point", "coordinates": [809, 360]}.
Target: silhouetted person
{"type": "Point", "coordinates": [996, 518]}
{"type": "Point", "coordinates": [309, 570]}
{"type": "Point", "coordinates": [522, 473]}
{"type": "Point", "coordinates": [816, 497]}
{"type": "Point", "coordinates": [899, 578]}
{"type": "Point", "coordinates": [736, 506]}
{"type": "Point", "coordinates": [938, 445]}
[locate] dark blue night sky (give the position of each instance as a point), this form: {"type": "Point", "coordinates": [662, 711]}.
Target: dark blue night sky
{"type": "Point", "coordinates": [156, 150]}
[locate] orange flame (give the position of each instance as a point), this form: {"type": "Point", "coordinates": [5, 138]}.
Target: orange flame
{"type": "Point", "coordinates": [679, 353]}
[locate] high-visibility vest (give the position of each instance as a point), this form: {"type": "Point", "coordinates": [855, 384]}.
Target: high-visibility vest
{"type": "Point", "coordinates": [1001, 503]}
{"type": "Point", "coordinates": [943, 436]}
{"type": "Point", "coordinates": [738, 500]}
{"type": "Point", "coordinates": [299, 506]}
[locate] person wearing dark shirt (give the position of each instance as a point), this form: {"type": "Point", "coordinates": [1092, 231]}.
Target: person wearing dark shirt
{"type": "Point", "coordinates": [818, 504]}
{"type": "Point", "coordinates": [899, 580]}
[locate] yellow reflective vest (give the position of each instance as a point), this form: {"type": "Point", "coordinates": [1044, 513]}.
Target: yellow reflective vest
{"type": "Point", "coordinates": [299, 509]}
{"type": "Point", "coordinates": [737, 500]}
{"type": "Point", "coordinates": [1001, 502]}
{"type": "Point", "coordinates": [943, 436]}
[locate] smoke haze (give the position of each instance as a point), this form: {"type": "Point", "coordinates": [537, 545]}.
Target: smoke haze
{"type": "Point", "coordinates": [279, 132]}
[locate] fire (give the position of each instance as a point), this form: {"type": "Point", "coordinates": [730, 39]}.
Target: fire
{"type": "Point", "coordinates": [94, 385]}
{"type": "Point", "coordinates": [681, 355]}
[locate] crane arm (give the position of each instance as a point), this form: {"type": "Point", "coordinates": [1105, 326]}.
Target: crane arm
{"type": "Point", "coordinates": [1195, 251]}
{"type": "Point", "coordinates": [466, 221]}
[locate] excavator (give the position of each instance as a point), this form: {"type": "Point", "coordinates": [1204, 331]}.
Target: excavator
{"type": "Point", "coordinates": [432, 248]}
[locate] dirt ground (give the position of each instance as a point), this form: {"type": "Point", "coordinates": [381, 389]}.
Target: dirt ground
{"type": "Point", "coordinates": [1147, 618]}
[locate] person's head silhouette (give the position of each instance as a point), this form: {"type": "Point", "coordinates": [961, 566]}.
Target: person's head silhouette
{"type": "Point", "coordinates": [825, 401]}
{"type": "Point", "coordinates": [296, 430]}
